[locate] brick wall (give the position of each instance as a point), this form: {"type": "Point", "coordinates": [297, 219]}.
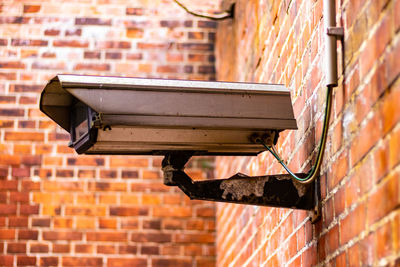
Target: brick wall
{"type": "Point", "coordinates": [57, 208]}
{"type": "Point", "coordinates": [283, 42]}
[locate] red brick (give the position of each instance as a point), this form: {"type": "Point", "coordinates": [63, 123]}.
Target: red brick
{"type": "Point", "coordinates": [58, 186]}
{"type": "Point", "coordinates": [107, 236]}
{"type": "Point", "coordinates": [31, 8]}
{"type": "Point", "coordinates": [52, 32]}
{"type": "Point", "coordinates": [8, 185]}
{"type": "Point", "coordinates": [386, 197]}
{"type": "Point", "coordinates": [205, 212]}
{"type": "Point", "coordinates": [62, 235]}
{"type": "Point", "coordinates": [175, 224]}
{"type": "Point", "coordinates": [196, 35]}
{"type": "Point", "coordinates": [26, 261]}
{"type": "Point", "coordinates": [134, 33]}
{"type": "Point", "coordinates": [332, 238]}
{"type": "Point", "coordinates": [25, 88]}
{"type": "Point", "coordinates": [130, 162]}
{"type": "Point", "coordinates": [150, 250]}
{"type": "Point", "coordinates": [207, 24]}
{"type": "Point", "coordinates": [106, 249]}
{"type": "Point", "coordinates": [127, 249]}
{"type": "Point", "coordinates": [8, 209]}
{"type": "Point", "coordinates": [24, 136]}
{"type": "Point", "coordinates": [62, 223]}
{"type": "Point", "coordinates": [18, 221]}
{"type": "Point", "coordinates": [16, 248]}
{"type": "Point", "coordinates": [92, 21]}
{"type": "Point", "coordinates": [85, 161]}
{"type": "Point", "coordinates": [81, 261]}
{"type": "Point", "coordinates": [195, 46]}
{"type": "Point", "coordinates": [152, 224]}
{"type": "Point", "coordinates": [108, 186]}
{"type": "Point", "coordinates": [130, 224]}
{"type": "Point", "coordinates": [353, 224]}
{"type": "Point", "coordinates": [49, 261]}
{"type": "Point", "coordinates": [194, 238]}
{"type": "Point", "coordinates": [367, 137]}
{"type": "Point", "coordinates": [107, 223]}
{"type": "Point", "coordinates": [6, 260]}
{"type": "Point", "coordinates": [151, 237]}
{"type": "Point", "coordinates": [41, 222]}
{"type": "Point", "coordinates": [71, 43]}
{"type": "Point", "coordinates": [129, 211]}
{"type": "Point", "coordinates": [85, 210]}
{"type": "Point", "coordinates": [171, 263]}
{"type": "Point", "coordinates": [92, 66]}
{"type": "Point", "coordinates": [26, 42]}
{"type": "Point", "coordinates": [28, 209]}
{"type": "Point", "coordinates": [61, 248]}
{"type": "Point", "coordinates": [84, 248]}
{"type": "Point", "coordinates": [113, 45]}
{"type": "Point", "coordinates": [134, 56]}
{"type": "Point", "coordinates": [126, 262]}
{"type": "Point", "coordinates": [38, 248]}
{"type": "Point", "coordinates": [11, 65]}
{"type": "Point", "coordinates": [15, 112]}
{"type": "Point", "coordinates": [27, 235]}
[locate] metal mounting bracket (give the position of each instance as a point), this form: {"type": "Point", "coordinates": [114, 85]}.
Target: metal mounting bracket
{"type": "Point", "coordinates": [338, 32]}
{"type": "Point", "coordinates": [270, 190]}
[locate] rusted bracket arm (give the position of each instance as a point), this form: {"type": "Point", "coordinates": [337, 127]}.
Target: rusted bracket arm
{"type": "Point", "coordinates": [271, 190]}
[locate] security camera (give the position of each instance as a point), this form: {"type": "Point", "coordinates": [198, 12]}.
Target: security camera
{"type": "Point", "coordinates": [136, 116]}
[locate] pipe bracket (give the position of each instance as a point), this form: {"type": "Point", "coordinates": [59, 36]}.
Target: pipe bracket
{"type": "Point", "coordinates": [338, 32]}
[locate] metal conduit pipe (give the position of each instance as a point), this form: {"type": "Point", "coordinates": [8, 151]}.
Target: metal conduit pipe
{"type": "Point", "coordinates": [331, 77]}
{"type": "Point", "coordinates": [331, 74]}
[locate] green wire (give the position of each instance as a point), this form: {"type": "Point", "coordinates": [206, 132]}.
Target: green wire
{"type": "Point", "coordinates": [226, 15]}
{"type": "Point", "coordinates": [312, 174]}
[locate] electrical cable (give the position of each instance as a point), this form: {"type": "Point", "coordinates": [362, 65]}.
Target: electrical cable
{"type": "Point", "coordinates": [221, 16]}
{"type": "Point", "coordinates": [315, 169]}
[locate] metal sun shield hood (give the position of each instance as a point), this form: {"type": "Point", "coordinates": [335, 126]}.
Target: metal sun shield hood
{"type": "Point", "coordinates": [154, 116]}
